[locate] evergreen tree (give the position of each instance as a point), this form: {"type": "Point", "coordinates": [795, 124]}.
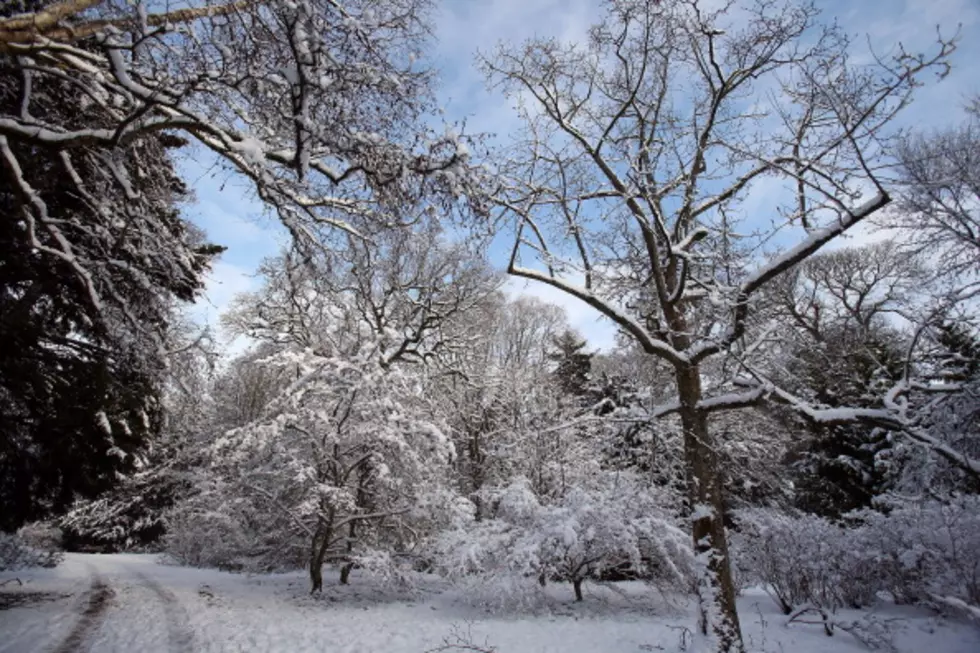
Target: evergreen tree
{"type": "Point", "coordinates": [960, 357]}
{"type": "Point", "coordinates": [134, 514]}
{"type": "Point", "coordinates": [952, 415]}
{"type": "Point", "coordinates": [573, 368]}
{"type": "Point", "coordinates": [835, 470]}
{"type": "Point", "coordinates": [95, 253]}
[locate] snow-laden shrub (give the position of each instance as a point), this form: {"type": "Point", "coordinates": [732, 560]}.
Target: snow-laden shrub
{"type": "Point", "coordinates": [390, 570]}
{"type": "Point", "coordinates": [924, 551]}
{"type": "Point", "coordinates": [42, 535]}
{"type": "Point", "coordinates": [15, 554]}
{"type": "Point", "coordinates": [916, 552]}
{"type": "Point", "coordinates": [215, 528]}
{"type": "Point", "coordinates": [801, 559]}
{"type": "Point", "coordinates": [345, 465]}
{"type": "Point", "coordinates": [583, 535]}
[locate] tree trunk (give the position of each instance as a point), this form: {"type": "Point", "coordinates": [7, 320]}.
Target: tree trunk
{"type": "Point", "coordinates": [318, 551]}
{"type": "Point", "coordinates": [577, 585]}
{"type": "Point", "coordinates": [316, 574]}
{"type": "Point", "coordinates": [346, 568]}
{"type": "Point", "coordinates": [718, 615]}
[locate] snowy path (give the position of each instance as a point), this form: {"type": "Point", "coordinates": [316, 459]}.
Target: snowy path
{"type": "Point", "coordinates": [134, 604]}
{"type": "Point", "coordinates": [96, 601]}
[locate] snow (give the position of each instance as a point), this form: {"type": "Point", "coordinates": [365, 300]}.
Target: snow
{"type": "Point", "coordinates": [251, 148]}
{"type": "Point", "coordinates": [151, 607]}
{"type": "Point", "coordinates": [103, 421]}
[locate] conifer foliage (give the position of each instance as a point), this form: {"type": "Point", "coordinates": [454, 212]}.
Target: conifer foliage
{"type": "Point", "coordinates": [95, 254]}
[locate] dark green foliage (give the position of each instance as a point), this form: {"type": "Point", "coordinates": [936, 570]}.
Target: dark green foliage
{"type": "Point", "coordinates": [131, 515]}
{"type": "Point", "coordinates": [573, 365]}
{"type": "Point", "coordinates": [960, 357]}
{"type": "Point", "coordinates": [835, 470]}
{"type": "Point", "coordinates": [94, 254]}
{"type": "Point", "coordinates": [635, 442]}
{"type": "Point", "coordinates": [836, 473]}
{"type": "Point", "coordinates": [13, 7]}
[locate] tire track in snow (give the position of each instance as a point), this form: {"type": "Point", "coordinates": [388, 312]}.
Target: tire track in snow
{"type": "Point", "coordinates": [99, 597]}
{"type": "Point", "coordinates": [179, 635]}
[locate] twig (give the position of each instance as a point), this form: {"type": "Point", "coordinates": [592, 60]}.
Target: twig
{"type": "Point", "coordinates": [457, 640]}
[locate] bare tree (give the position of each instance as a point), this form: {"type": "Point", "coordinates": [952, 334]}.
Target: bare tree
{"type": "Point", "coordinates": [852, 289]}
{"type": "Point", "coordinates": [939, 181]}
{"type": "Point", "coordinates": [318, 103]}
{"type": "Point", "coordinates": [402, 290]}
{"type": "Point", "coordinates": [245, 388]}
{"type": "Point", "coordinates": [661, 161]}
{"type": "Point", "coordinates": [499, 397]}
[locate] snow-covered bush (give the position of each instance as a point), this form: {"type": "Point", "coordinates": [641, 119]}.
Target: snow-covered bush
{"type": "Point", "coordinates": [915, 552]}
{"type": "Point", "coordinates": [924, 551]}
{"type": "Point", "coordinates": [801, 559]}
{"type": "Point", "coordinates": [43, 535]}
{"type": "Point", "coordinates": [215, 528]}
{"type": "Point", "coordinates": [344, 464]}
{"type": "Point", "coordinates": [15, 554]}
{"type": "Point", "coordinates": [199, 538]}
{"type": "Point", "coordinates": [613, 525]}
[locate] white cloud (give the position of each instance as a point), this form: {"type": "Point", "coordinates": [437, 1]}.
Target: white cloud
{"type": "Point", "coordinates": [224, 282]}
{"type": "Point", "coordinates": [591, 324]}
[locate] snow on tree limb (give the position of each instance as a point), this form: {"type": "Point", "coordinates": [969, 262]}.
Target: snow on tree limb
{"type": "Point", "coordinates": [638, 181]}
{"type": "Point", "coordinates": [621, 319]}
{"type": "Point", "coordinates": [312, 155]}
{"type": "Point", "coordinates": [885, 418]}
{"type": "Point", "coordinates": [780, 264]}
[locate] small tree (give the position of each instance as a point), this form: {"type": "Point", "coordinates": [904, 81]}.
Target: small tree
{"type": "Point", "coordinates": [573, 366]}
{"type": "Point", "coordinates": [607, 523]}
{"type": "Point", "coordinates": [345, 452]}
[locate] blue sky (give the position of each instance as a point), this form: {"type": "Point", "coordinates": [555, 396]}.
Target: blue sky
{"type": "Point", "coordinates": [226, 208]}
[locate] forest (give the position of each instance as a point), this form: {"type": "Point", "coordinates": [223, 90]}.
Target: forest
{"type": "Point", "coordinates": [791, 267]}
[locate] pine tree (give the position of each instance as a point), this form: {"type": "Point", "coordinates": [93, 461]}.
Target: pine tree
{"type": "Point", "coordinates": [95, 253]}
{"type": "Point", "coordinates": [961, 353]}
{"type": "Point", "coordinates": [835, 470]}
{"type": "Point", "coordinates": [573, 368]}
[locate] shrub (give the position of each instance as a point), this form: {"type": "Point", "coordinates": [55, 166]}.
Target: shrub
{"type": "Point", "coordinates": [41, 535]}
{"type": "Point", "coordinates": [205, 531]}
{"type": "Point", "coordinates": [16, 554]}
{"type": "Point", "coordinates": [582, 536]}
{"type": "Point", "coordinates": [916, 552]}
{"type": "Point", "coordinates": [924, 551]}
{"type": "Point", "coordinates": [801, 559]}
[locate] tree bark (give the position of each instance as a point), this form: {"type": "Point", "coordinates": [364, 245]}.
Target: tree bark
{"type": "Point", "coordinates": [316, 574]}
{"type": "Point", "coordinates": [318, 552]}
{"type": "Point", "coordinates": [346, 568]}
{"type": "Point", "coordinates": [577, 585]}
{"type": "Point", "coordinates": [716, 589]}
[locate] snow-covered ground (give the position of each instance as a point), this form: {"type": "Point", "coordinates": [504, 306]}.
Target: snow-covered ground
{"type": "Point", "coordinates": [130, 603]}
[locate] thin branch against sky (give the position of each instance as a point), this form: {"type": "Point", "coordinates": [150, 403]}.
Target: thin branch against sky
{"type": "Point", "coordinates": [231, 216]}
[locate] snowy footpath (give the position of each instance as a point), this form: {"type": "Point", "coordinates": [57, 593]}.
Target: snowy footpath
{"type": "Point", "coordinates": [133, 603]}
